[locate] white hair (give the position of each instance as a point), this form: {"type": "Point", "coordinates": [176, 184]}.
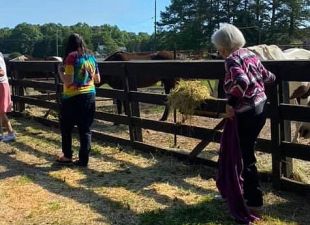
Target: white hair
{"type": "Point", "coordinates": [228, 37]}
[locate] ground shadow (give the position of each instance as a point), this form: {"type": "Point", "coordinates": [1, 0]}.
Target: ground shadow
{"type": "Point", "coordinates": [137, 179]}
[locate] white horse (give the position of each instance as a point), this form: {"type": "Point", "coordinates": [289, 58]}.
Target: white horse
{"type": "Point", "coordinates": [298, 90]}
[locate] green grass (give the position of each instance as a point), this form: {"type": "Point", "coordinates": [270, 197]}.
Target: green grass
{"type": "Point", "coordinates": [54, 205]}
{"type": "Point", "coordinates": [24, 179]}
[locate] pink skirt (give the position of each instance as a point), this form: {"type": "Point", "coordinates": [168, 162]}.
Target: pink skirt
{"type": "Point", "coordinates": [5, 98]}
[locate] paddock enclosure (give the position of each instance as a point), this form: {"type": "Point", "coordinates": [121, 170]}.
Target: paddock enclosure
{"type": "Point", "coordinates": [138, 127]}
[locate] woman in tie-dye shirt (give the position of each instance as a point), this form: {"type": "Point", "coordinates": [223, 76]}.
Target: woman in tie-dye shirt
{"type": "Point", "coordinates": [79, 75]}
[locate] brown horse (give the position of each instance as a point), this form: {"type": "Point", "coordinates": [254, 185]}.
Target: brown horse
{"type": "Point", "coordinates": [145, 81]}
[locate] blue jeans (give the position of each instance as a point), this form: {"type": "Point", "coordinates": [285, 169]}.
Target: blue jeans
{"type": "Point", "coordinates": [78, 110]}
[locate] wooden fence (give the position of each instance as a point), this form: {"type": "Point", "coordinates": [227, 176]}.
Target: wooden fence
{"type": "Point", "coordinates": [279, 111]}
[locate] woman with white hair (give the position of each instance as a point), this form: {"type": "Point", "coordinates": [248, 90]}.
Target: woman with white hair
{"type": "Point", "coordinates": [244, 87]}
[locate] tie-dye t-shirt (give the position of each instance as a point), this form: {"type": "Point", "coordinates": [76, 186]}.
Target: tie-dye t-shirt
{"type": "Point", "coordinates": [82, 68]}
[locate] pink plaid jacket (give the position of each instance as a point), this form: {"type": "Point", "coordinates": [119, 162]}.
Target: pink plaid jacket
{"type": "Point", "coordinates": [244, 80]}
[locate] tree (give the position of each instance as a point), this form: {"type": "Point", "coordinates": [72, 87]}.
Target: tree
{"type": "Point", "coordinates": [85, 31]}
{"type": "Point", "coordinates": [23, 38]}
{"type": "Point", "coordinates": [188, 24]}
{"type": "Point", "coordinates": [184, 25]}
{"type": "Point", "coordinates": [50, 44]}
{"type": "Point", "coordinates": [5, 34]}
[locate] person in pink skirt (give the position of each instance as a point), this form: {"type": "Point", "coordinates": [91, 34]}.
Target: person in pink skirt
{"type": "Point", "coordinates": [5, 104]}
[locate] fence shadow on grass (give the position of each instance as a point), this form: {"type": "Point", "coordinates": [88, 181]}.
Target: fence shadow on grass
{"type": "Point", "coordinates": [206, 212]}
{"type": "Point", "coordinates": [291, 207]}
{"type": "Point", "coordinates": [40, 177]}
{"type": "Point", "coordinates": [39, 174]}
{"type": "Point", "coordinates": [138, 179]}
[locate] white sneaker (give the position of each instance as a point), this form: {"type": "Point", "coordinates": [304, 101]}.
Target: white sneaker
{"type": "Point", "coordinates": [9, 137]}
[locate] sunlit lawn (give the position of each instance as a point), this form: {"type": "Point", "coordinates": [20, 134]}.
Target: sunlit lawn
{"type": "Point", "coordinates": [121, 186]}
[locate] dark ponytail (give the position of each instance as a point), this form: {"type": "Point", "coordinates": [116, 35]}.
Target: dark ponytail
{"type": "Point", "coordinates": [75, 41]}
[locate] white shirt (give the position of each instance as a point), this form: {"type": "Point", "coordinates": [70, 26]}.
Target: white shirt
{"type": "Point", "coordinates": [3, 79]}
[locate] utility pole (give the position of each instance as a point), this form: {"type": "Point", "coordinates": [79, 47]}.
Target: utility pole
{"type": "Point", "coordinates": [57, 42]}
{"type": "Point", "coordinates": [155, 28]}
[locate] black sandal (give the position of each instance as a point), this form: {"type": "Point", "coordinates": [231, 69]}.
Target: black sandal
{"type": "Point", "coordinates": [63, 160]}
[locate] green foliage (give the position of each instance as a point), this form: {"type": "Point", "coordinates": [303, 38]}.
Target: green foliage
{"type": "Point", "coordinates": [24, 37]}
{"type": "Point", "coordinates": [50, 39]}
{"type": "Point", "coordinates": [189, 25]}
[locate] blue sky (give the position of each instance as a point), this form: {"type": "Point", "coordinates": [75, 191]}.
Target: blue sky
{"type": "Point", "coordinates": [129, 15]}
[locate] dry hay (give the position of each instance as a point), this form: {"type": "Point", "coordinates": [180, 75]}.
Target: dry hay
{"type": "Point", "coordinates": [187, 96]}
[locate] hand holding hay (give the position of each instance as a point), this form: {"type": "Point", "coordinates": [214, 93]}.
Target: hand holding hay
{"type": "Point", "coordinates": [187, 96]}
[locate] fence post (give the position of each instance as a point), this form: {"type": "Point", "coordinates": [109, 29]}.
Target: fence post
{"type": "Point", "coordinates": [135, 132]}
{"type": "Point", "coordinates": [275, 136]}
{"type": "Point", "coordinates": [220, 89]}
{"type": "Point", "coordinates": [17, 91]}
{"type": "Point", "coordinates": [58, 87]}
{"type": "Point", "coordinates": [287, 163]}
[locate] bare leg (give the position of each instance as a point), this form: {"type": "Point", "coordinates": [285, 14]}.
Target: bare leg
{"type": "Point", "coordinates": [6, 123]}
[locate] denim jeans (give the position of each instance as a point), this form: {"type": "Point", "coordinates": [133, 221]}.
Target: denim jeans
{"type": "Point", "coordinates": [250, 124]}
{"type": "Point", "coordinates": [78, 110]}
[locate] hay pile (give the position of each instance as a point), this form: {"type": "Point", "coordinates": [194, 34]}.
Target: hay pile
{"type": "Point", "coordinates": [187, 96]}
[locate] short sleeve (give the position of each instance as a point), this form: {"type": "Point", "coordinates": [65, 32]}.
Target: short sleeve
{"type": "Point", "coordinates": [69, 63]}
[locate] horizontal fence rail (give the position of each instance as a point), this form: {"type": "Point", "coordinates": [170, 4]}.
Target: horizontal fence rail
{"type": "Point", "coordinates": [133, 71]}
